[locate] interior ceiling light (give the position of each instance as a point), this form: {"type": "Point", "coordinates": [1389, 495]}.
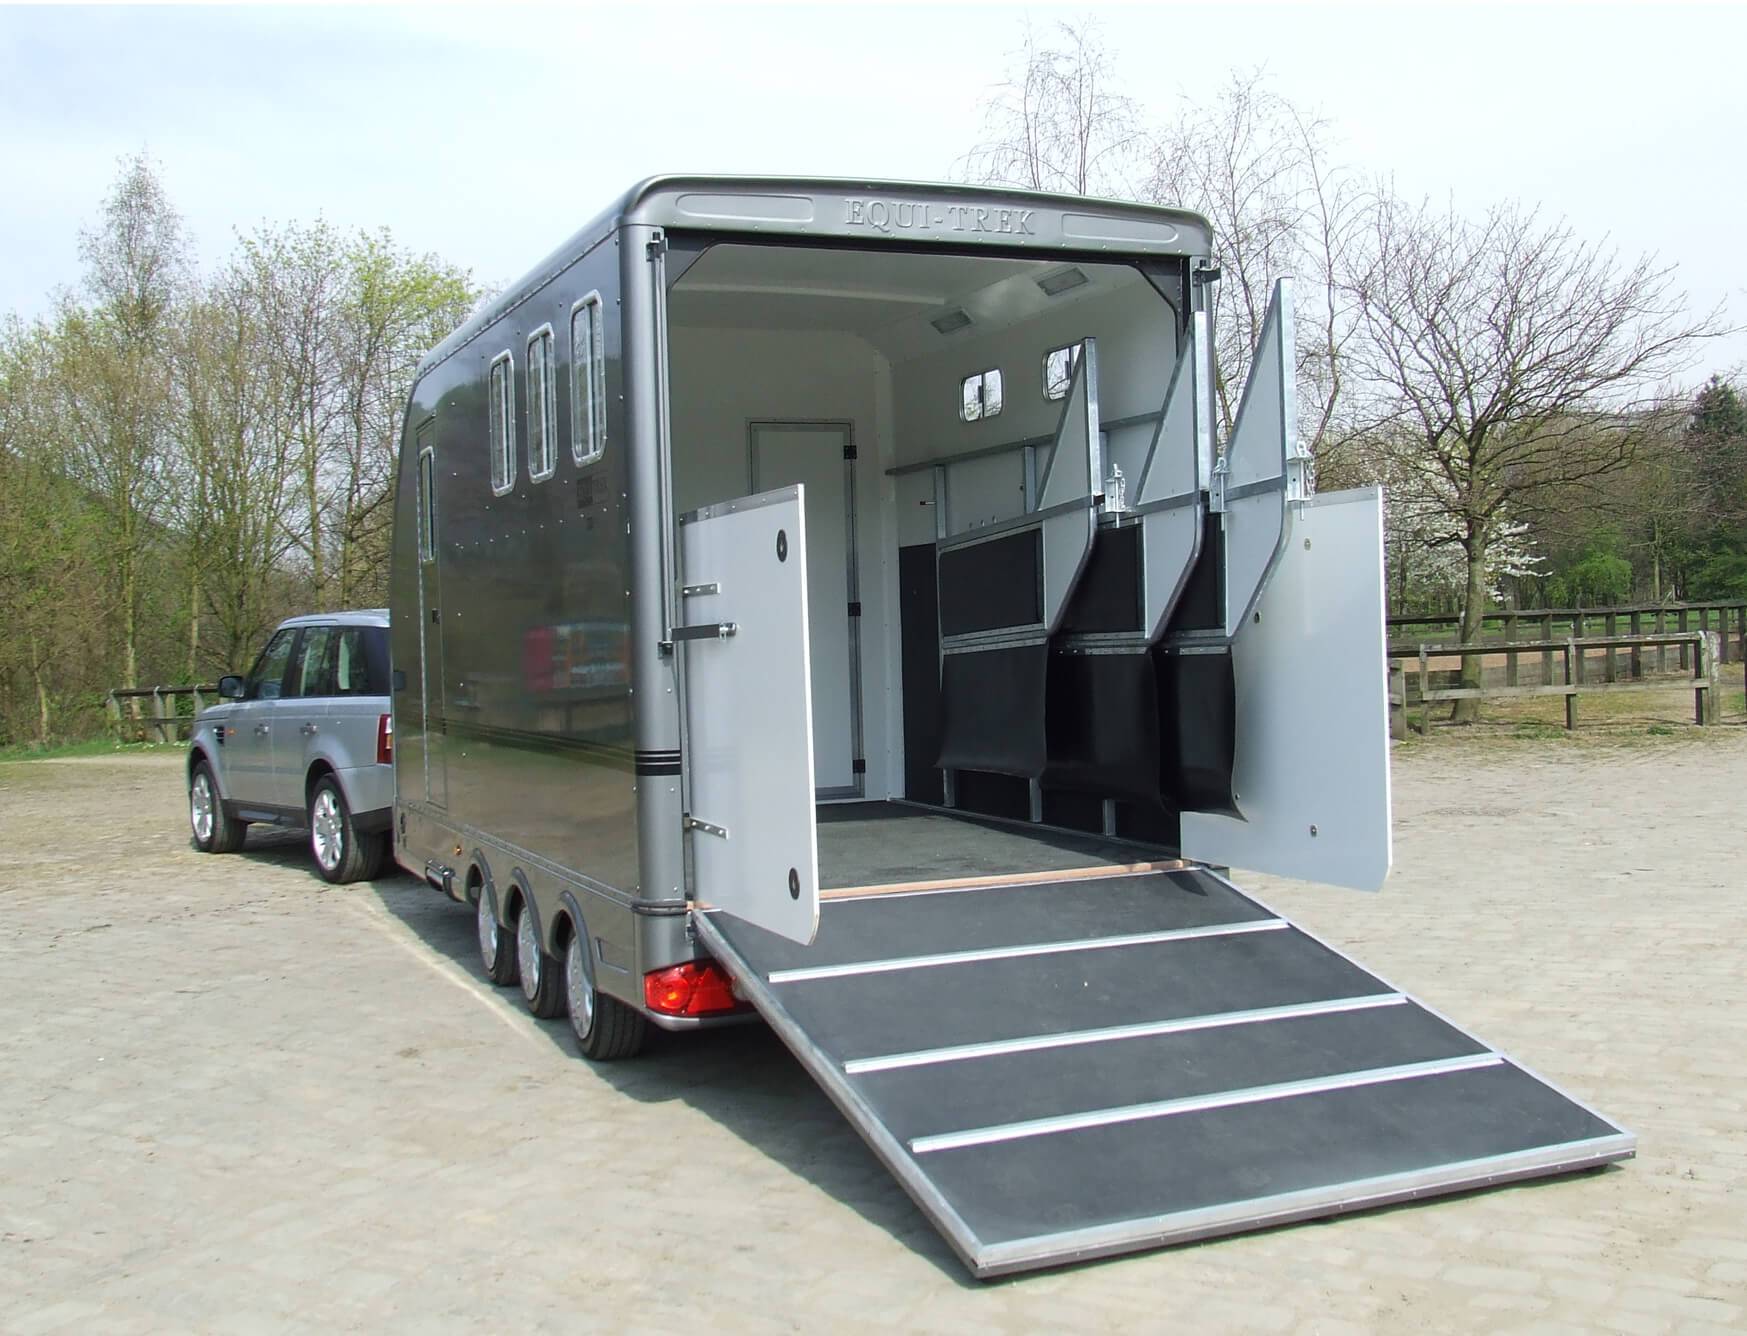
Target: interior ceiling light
{"type": "Point", "coordinates": [950, 322]}
{"type": "Point", "coordinates": [1065, 280]}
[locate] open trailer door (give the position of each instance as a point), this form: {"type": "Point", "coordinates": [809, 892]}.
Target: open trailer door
{"type": "Point", "coordinates": [746, 679]}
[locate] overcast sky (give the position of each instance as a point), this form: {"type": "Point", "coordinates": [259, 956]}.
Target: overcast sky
{"type": "Point", "coordinates": [487, 136]}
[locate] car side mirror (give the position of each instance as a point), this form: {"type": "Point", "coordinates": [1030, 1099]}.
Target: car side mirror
{"type": "Point", "coordinates": [230, 687]}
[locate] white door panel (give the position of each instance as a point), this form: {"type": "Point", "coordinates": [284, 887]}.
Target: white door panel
{"type": "Point", "coordinates": [748, 707]}
{"type": "Point", "coordinates": [1311, 772]}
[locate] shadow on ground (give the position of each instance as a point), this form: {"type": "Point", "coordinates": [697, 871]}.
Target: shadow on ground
{"type": "Point", "coordinates": [740, 1077]}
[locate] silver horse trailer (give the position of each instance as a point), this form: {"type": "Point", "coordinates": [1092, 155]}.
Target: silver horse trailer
{"type": "Point", "coordinates": [829, 599]}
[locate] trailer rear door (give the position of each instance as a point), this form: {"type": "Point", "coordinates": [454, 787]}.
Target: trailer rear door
{"type": "Point", "coordinates": [747, 683]}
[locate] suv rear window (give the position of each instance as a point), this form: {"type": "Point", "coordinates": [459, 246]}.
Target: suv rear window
{"type": "Point", "coordinates": [344, 661]}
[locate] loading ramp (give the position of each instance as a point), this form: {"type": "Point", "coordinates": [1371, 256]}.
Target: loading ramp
{"type": "Point", "coordinates": [1064, 1069]}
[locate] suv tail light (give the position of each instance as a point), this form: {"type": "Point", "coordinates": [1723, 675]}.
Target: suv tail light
{"type": "Point", "coordinates": [696, 988]}
{"type": "Point", "coordinates": [384, 739]}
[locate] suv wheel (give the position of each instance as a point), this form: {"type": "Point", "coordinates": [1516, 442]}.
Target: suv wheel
{"type": "Point", "coordinates": [542, 976]}
{"type": "Point", "coordinates": [215, 832]}
{"type": "Point", "coordinates": [341, 853]}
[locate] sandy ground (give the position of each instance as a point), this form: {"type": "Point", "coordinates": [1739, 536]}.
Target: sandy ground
{"type": "Point", "coordinates": [233, 1098]}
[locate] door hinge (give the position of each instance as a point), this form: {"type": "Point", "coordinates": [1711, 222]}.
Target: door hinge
{"type": "Point", "coordinates": [855, 608]}
{"type": "Point", "coordinates": [858, 766]}
{"type": "Point", "coordinates": [657, 246]}
{"type": "Point", "coordinates": [849, 450]}
{"type": "Point", "coordinates": [709, 828]}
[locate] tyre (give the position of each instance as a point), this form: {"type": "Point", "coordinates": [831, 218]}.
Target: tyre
{"type": "Point", "coordinates": [341, 854]}
{"type": "Point", "coordinates": [215, 832]}
{"type": "Point", "coordinates": [605, 1028]}
{"type": "Point", "coordinates": [542, 979]}
{"type": "Point", "coordinates": [497, 952]}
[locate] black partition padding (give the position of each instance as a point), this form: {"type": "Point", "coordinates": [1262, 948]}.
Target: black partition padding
{"type": "Point", "coordinates": [919, 669]}
{"type": "Point", "coordinates": [1108, 595]}
{"type": "Point", "coordinates": [1103, 725]}
{"type": "Point", "coordinates": [1073, 811]}
{"type": "Point", "coordinates": [1004, 796]}
{"type": "Point", "coordinates": [1149, 825]}
{"type": "Point", "coordinates": [992, 711]}
{"type": "Point", "coordinates": [1199, 608]}
{"type": "Point", "coordinates": [1197, 694]}
{"type": "Point", "coordinates": [992, 585]}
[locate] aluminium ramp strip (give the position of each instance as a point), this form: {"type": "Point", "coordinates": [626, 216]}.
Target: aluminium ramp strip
{"type": "Point", "coordinates": [1067, 1070]}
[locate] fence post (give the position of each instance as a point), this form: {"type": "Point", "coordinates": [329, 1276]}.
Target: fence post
{"type": "Point", "coordinates": [1510, 655]}
{"type": "Point", "coordinates": [1425, 685]}
{"type": "Point", "coordinates": [1547, 654]}
{"type": "Point", "coordinates": [1637, 655]}
{"type": "Point", "coordinates": [1397, 701]}
{"type": "Point", "coordinates": [1705, 692]}
{"type": "Point", "coordinates": [1570, 695]}
{"type": "Point", "coordinates": [1610, 627]}
{"type": "Point", "coordinates": [1685, 646]}
{"type": "Point", "coordinates": [113, 706]}
{"type": "Point", "coordinates": [1661, 650]}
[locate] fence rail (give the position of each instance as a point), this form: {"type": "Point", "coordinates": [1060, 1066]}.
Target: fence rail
{"type": "Point", "coordinates": [1701, 648]}
{"type": "Point", "coordinates": [1728, 619]}
{"type": "Point", "coordinates": [169, 727]}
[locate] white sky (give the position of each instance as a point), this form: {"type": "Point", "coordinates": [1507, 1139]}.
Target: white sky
{"type": "Point", "coordinates": [487, 136]}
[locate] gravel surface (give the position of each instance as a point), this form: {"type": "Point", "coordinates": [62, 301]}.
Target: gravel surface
{"type": "Point", "coordinates": [236, 1098]}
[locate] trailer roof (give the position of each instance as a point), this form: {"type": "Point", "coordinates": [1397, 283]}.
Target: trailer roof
{"type": "Point", "coordinates": [866, 212]}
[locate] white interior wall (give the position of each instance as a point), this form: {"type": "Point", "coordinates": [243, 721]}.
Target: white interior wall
{"type": "Point", "coordinates": [724, 379]}
{"type": "Point", "coordinates": [1136, 353]}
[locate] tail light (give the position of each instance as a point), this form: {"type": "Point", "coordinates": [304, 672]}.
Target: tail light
{"type": "Point", "coordinates": [696, 988]}
{"type": "Point", "coordinates": [384, 739]}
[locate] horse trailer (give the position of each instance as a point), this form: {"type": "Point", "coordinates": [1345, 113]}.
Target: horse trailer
{"type": "Point", "coordinates": [828, 601]}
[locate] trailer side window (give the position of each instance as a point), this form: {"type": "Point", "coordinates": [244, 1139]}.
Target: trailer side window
{"type": "Point", "coordinates": [427, 504]}
{"type": "Point", "coordinates": [979, 396]}
{"type": "Point", "coordinates": [542, 407]}
{"type": "Point", "coordinates": [1058, 370]}
{"type": "Point", "coordinates": [503, 426]}
{"type": "Point", "coordinates": [588, 381]}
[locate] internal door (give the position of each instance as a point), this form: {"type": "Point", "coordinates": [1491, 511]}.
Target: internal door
{"type": "Point", "coordinates": [433, 709]}
{"type": "Point", "coordinates": [746, 684]}
{"type": "Point", "coordinates": [820, 457]}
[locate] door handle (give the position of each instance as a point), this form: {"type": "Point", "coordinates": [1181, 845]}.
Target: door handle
{"type": "Point", "coordinates": [308, 730]}
{"type": "Point", "coordinates": [263, 730]}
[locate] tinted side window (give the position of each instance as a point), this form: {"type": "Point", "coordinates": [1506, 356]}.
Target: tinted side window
{"type": "Point", "coordinates": [268, 674]}
{"type": "Point", "coordinates": [315, 666]}
{"type": "Point", "coordinates": [360, 661]}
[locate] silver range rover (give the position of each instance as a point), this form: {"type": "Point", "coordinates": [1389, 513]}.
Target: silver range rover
{"type": "Point", "coordinates": [305, 740]}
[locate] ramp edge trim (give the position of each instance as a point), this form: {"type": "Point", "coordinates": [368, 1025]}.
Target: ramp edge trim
{"type": "Point", "coordinates": [1337, 1199]}
{"type": "Point", "coordinates": [893, 964]}
{"type": "Point", "coordinates": [994, 1048]}
{"type": "Point", "coordinates": [1220, 1099]}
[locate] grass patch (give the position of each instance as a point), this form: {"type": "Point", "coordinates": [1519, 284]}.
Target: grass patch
{"type": "Point", "coordinates": [29, 751]}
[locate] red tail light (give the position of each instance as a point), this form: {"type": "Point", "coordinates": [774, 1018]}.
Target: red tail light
{"type": "Point", "coordinates": [384, 739]}
{"type": "Point", "coordinates": [696, 988]}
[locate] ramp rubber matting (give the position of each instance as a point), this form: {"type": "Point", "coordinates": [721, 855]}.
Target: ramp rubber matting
{"type": "Point", "coordinates": [1065, 1070]}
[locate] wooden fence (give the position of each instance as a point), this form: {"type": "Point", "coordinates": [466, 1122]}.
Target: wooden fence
{"type": "Point", "coordinates": [168, 727]}
{"type": "Point", "coordinates": [1702, 649]}
{"type": "Point", "coordinates": [1729, 620]}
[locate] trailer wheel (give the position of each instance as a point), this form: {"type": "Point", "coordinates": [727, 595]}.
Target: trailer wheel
{"type": "Point", "coordinates": [341, 854]}
{"type": "Point", "coordinates": [542, 981]}
{"type": "Point", "coordinates": [215, 832]}
{"type": "Point", "coordinates": [496, 953]}
{"type": "Point", "coordinates": [605, 1028]}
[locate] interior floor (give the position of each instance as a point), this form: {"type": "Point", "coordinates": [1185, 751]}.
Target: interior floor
{"type": "Point", "coordinates": [887, 844]}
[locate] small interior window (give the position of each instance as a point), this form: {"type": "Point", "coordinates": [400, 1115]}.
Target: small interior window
{"type": "Point", "coordinates": [980, 395]}
{"type": "Point", "coordinates": [1058, 370]}
{"type": "Point", "coordinates": [542, 408]}
{"type": "Point", "coordinates": [503, 427]}
{"type": "Point", "coordinates": [588, 381]}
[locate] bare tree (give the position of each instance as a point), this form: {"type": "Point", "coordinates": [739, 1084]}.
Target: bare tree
{"type": "Point", "coordinates": [1260, 169]}
{"type": "Point", "coordinates": [1509, 359]}
{"type": "Point", "coordinates": [1057, 124]}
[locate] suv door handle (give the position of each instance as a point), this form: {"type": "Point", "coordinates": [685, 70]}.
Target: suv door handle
{"type": "Point", "coordinates": [263, 730]}
{"type": "Point", "coordinates": [308, 730]}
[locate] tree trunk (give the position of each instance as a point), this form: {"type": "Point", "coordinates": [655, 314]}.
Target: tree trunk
{"type": "Point", "coordinates": [1467, 711]}
{"type": "Point", "coordinates": [42, 694]}
{"type": "Point", "coordinates": [193, 622]}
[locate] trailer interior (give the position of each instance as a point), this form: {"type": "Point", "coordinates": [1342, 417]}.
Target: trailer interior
{"type": "Point", "coordinates": [919, 398]}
